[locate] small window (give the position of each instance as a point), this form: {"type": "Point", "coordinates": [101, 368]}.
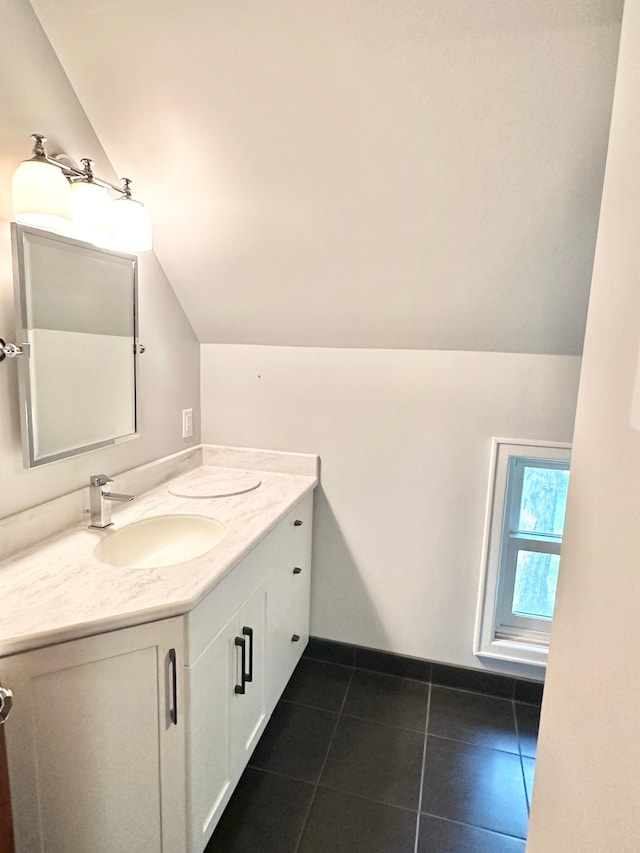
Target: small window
{"type": "Point", "coordinates": [525, 521]}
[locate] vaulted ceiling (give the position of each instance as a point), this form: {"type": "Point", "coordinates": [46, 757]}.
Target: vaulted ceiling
{"type": "Point", "coordinates": [375, 173]}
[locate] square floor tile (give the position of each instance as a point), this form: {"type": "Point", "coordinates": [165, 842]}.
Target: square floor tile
{"type": "Point", "coordinates": [341, 823]}
{"type": "Point", "coordinates": [474, 785]}
{"type": "Point", "coordinates": [529, 767]}
{"type": "Point", "coordinates": [528, 719]}
{"type": "Point", "coordinates": [295, 742]}
{"type": "Point", "coordinates": [443, 836]}
{"type": "Point", "coordinates": [387, 699]}
{"type": "Point", "coordinates": [472, 718]}
{"type": "Point", "coordinates": [266, 813]}
{"type": "Point", "coordinates": [375, 761]}
{"type": "Point", "coordinates": [318, 684]}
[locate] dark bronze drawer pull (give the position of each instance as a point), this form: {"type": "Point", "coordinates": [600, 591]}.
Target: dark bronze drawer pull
{"type": "Point", "coordinates": [173, 713]}
{"type": "Point", "coordinates": [248, 632]}
{"type": "Point", "coordinates": [241, 641]}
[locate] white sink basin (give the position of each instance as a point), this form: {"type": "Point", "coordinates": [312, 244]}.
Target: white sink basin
{"type": "Point", "coordinates": [163, 540]}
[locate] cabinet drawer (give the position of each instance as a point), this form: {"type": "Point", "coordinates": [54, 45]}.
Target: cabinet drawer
{"type": "Point", "coordinates": [291, 572]}
{"type": "Point", "coordinates": [284, 652]}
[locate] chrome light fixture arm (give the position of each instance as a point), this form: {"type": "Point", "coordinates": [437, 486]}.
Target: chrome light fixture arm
{"type": "Point", "coordinates": [70, 170]}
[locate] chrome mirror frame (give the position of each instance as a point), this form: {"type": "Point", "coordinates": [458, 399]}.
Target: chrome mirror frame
{"type": "Point", "coordinates": [22, 352]}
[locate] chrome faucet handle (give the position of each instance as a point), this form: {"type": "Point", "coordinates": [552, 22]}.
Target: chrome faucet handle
{"type": "Point", "coordinates": [99, 480]}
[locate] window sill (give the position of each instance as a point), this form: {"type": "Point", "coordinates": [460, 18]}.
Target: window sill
{"type": "Point", "coordinates": [515, 652]}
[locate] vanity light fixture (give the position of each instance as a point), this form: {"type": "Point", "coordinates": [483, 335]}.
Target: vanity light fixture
{"type": "Point", "coordinates": [54, 193]}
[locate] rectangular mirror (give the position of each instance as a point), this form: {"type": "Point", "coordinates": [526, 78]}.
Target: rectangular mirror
{"type": "Point", "coordinates": [78, 319]}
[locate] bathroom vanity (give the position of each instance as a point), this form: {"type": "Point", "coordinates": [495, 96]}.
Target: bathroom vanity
{"type": "Point", "coordinates": [140, 693]}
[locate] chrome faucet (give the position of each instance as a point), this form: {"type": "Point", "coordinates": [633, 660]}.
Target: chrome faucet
{"type": "Point", "coordinates": [100, 501]}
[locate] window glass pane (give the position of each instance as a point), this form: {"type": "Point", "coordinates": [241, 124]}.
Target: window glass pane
{"type": "Point", "coordinates": [544, 500]}
{"type": "Point", "coordinates": [534, 591]}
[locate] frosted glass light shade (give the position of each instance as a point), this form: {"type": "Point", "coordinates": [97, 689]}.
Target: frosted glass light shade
{"type": "Point", "coordinates": [91, 213]}
{"type": "Point", "coordinates": [131, 226]}
{"type": "Point", "coordinates": [41, 195]}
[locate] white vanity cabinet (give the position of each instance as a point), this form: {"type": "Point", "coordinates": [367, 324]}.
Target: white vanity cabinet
{"type": "Point", "coordinates": [95, 749]}
{"type": "Point", "coordinates": [262, 606]}
{"type": "Point", "coordinates": [133, 740]}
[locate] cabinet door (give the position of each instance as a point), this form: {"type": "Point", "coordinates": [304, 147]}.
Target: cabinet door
{"type": "Point", "coordinates": [95, 749]}
{"type": "Point", "coordinates": [248, 716]}
{"type": "Point", "coordinates": [226, 708]}
{"type": "Point", "coordinates": [210, 768]}
{"type": "Point", "coordinates": [289, 600]}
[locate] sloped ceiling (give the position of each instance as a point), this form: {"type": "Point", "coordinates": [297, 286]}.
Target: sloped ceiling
{"type": "Point", "coordinates": [373, 173]}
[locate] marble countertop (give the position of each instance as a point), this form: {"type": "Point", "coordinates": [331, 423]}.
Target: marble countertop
{"type": "Point", "coordinates": [60, 591]}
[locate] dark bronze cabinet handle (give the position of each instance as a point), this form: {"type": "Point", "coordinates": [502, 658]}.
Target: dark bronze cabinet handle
{"type": "Point", "coordinates": [173, 713]}
{"type": "Point", "coordinates": [297, 570]}
{"type": "Point", "coordinates": [248, 632]}
{"type": "Point", "coordinates": [297, 523]}
{"type": "Point", "coordinates": [295, 638]}
{"type": "Point", "coordinates": [241, 641]}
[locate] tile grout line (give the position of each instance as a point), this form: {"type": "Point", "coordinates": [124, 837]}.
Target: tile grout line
{"type": "Point", "coordinates": [373, 671]}
{"type": "Point", "coordinates": [430, 681]}
{"type": "Point", "coordinates": [329, 662]}
{"type": "Point", "coordinates": [424, 761]}
{"type": "Point", "coordinates": [511, 693]}
{"type": "Point", "coordinates": [515, 753]}
{"type": "Point", "coordinates": [367, 799]}
{"type": "Point", "coordinates": [360, 719]}
{"type": "Point", "coordinates": [324, 763]}
{"type": "Point", "coordinates": [524, 778]}
{"type": "Point", "coordinates": [511, 697]}
{"type": "Point", "coordinates": [487, 829]}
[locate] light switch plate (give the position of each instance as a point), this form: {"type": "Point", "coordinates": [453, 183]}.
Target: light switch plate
{"type": "Point", "coordinates": [187, 423]}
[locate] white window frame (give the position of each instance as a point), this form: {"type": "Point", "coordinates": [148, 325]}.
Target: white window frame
{"type": "Point", "coordinates": [524, 642]}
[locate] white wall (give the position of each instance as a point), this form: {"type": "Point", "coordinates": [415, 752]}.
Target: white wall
{"type": "Point", "coordinates": [586, 795]}
{"type": "Point", "coordinates": [405, 440]}
{"type": "Point", "coordinates": [35, 95]}
{"type": "Point", "coordinates": [420, 174]}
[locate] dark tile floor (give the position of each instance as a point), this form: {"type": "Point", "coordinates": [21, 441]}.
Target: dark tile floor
{"type": "Point", "coordinates": [357, 761]}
